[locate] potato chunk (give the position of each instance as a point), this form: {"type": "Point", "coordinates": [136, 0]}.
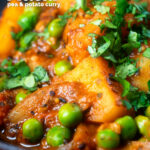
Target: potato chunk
{"type": "Point", "coordinates": [8, 23]}
{"type": "Point", "coordinates": [77, 37]}
{"type": "Point", "coordinates": [140, 80]}
{"type": "Point", "coordinates": [94, 74]}
{"type": "Point", "coordinates": [70, 92]}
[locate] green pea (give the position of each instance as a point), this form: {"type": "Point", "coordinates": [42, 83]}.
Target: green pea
{"type": "Point", "coordinates": [25, 40]}
{"type": "Point", "coordinates": [128, 127]}
{"type": "Point", "coordinates": [107, 139]}
{"type": "Point", "coordinates": [70, 115]}
{"type": "Point", "coordinates": [20, 96]}
{"type": "Point", "coordinates": [62, 67]}
{"type": "Point", "coordinates": [35, 10]}
{"type": "Point", "coordinates": [55, 29]}
{"type": "Point", "coordinates": [28, 20]}
{"type": "Point", "coordinates": [147, 112]}
{"type": "Point", "coordinates": [58, 135]}
{"type": "Point", "coordinates": [140, 121]}
{"type": "Point", "coordinates": [32, 130]}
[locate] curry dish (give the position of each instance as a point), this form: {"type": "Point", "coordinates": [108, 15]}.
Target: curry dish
{"type": "Point", "coordinates": [76, 77]}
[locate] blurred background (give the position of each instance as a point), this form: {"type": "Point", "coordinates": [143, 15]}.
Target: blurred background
{"type": "Point", "coordinates": [2, 5]}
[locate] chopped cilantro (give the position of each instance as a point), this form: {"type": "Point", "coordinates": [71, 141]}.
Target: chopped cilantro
{"type": "Point", "coordinates": [82, 4]}
{"type": "Point", "coordinates": [113, 47]}
{"type": "Point", "coordinates": [96, 50]}
{"type": "Point", "coordinates": [126, 69]}
{"type": "Point", "coordinates": [81, 25]}
{"type": "Point", "coordinates": [140, 11]}
{"type": "Point", "coordinates": [102, 9]}
{"type": "Point", "coordinates": [29, 82]}
{"type": "Point", "coordinates": [64, 18]}
{"type": "Point", "coordinates": [146, 53]}
{"type": "Point", "coordinates": [125, 84]}
{"type": "Point", "coordinates": [67, 15]}
{"type": "Point", "coordinates": [132, 41]}
{"type": "Point", "coordinates": [26, 40]}
{"type": "Point", "coordinates": [23, 39]}
{"type": "Point", "coordinates": [138, 99]}
{"type": "Point", "coordinates": [99, 2]}
{"type": "Point", "coordinates": [89, 12]}
{"type": "Point", "coordinates": [145, 32]}
{"type": "Point", "coordinates": [148, 84]}
{"type": "Point", "coordinates": [137, 0]}
{"type": "Point", "coordinates": [44, 34]}
{"type": "Point", "coordinates": [40, 74]}
{"type": "Point", "coordinates": [19, 69]}
{"type": "Point", "coordinates": [127, 104]}
{"type": "Point", "coordinates": [96, 22]}
{"type": "Point", "coordinates": [109, 25]}
{"type": "Point", "coordinates": [13, 82]}
{"type": "Point", "coordinates": [19, 75]}
{"type": "Point", "coordinates": [120, 11]}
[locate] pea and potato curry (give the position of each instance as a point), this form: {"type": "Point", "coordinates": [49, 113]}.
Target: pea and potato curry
{"type": "Point", "coordinates": [76, 77]}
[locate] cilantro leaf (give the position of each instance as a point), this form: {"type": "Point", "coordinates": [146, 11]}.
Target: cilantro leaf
{"type": "Point", "coordinates": [19, 75]}
{"type": "Point", "coordinates": [132, 41]}
{"type": "Point", "coordinates": [26, 40]}
{"type": "Point", "coordinates": [126, 85]}
{"type": "Point", "coordinates": [109, 25]}
{"type": "Point", "coordinates": [29, 82]}
{"type": "Point", "coordinates": [120, 11]}
{"type": "Point", "coordinates": [19, 69]}
{"type": "Point", "coordinates": [139, 11]}
{"type": "Point", "coordinates": [145, 32]}
{"type": "Point", "coordinates": [148, 84]}
{"type": "Point", "coordinates": [82, 4]}
{"type": "Point", "coordinates": [13, 82]}
{"type": "Point", "coordinates": [44, 34]}
{"type": "Point", "coordinates": [138, 99]}
{"type": "Point", "coordinates": [40, 74]}
{"type": "Point", "coordinates": [121, 7]}
{"type": "Point", "coordinates": [102, 9]}
{"type": "Point", "coordinates": [67, 15]}
{"type": "Point", "coordinates": [96, 50]}
{"type": "Point", "coordinates": [126, 69]}
{"type": "Point", "coordinates": [99, 2]}
{"type": "Point", "coordinates": [127, 104]}
{"type": "Point", "coordinates": [89, 12]}
{"type": "Point", "coordinates": [96, 22]}
{"type": "Point", "coordinates": [146, 53]}
{"type": "Point", "coordinates": [81, 25]}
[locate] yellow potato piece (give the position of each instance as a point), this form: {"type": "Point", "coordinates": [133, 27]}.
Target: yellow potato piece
{"type": "Point", "coordinates": [9, 23]}
{"type": "Point", "coordinates": [94, 74]}
{"type": "Point", "coordinates": [143, 76]}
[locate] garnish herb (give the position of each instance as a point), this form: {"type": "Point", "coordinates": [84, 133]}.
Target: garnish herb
{"type": "Point", "coordinates": [89, 12]}
{"type": "Point", "coordinates": [82, 4]}
{"type": "Point", "coordinates": [112, 47]}
{"type": "Point", "coordinates": [102, 9]}
{"type": "Point", "coordinates": [146, 53]}
{"type": "Point", "coordinates": [126, 69]}
{"type": "Point", "coordinates": [19, 75]}
{"type": "Point", "coordinates": [96, 22]}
